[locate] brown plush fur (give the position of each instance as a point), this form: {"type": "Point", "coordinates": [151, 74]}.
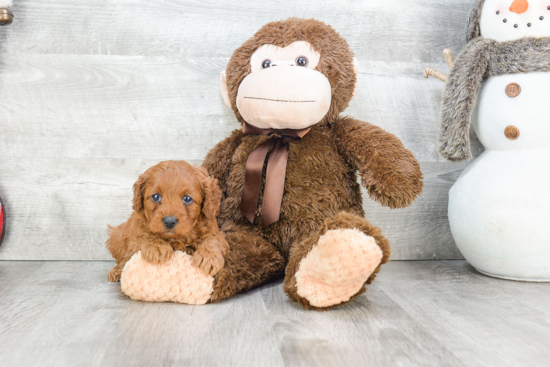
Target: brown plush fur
{"type": "Point", "coordinates": [321, 189]}
{"type": "Point", "coordinates": [196, 231]}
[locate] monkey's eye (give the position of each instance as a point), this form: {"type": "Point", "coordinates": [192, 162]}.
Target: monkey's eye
{"type": "Point", "coordinates": [266, 64]}
{"type": "Point", "coordinates": [301, 61]}
{"type": "Point", "coordinates": [155, 198]}
{"type": "Point", "coordinates": [187, 200]}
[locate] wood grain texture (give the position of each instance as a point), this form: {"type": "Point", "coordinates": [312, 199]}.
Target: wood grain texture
{"type": "Point", "coordinates": [92, 93]}
{"type": "Point", "coordinates": [422, 313]}
{"type": "Point", "coordinates": [390, 30]}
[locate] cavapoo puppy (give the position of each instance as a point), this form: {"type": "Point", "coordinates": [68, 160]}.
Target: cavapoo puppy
{"type": "Point", "coordinates": [175, 208]}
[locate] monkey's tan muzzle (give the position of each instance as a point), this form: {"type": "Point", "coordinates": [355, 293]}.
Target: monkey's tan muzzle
{"type": "Point", "coordinates": [284, 97]}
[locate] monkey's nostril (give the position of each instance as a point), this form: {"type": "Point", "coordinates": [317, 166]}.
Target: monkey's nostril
{"type": "Point", "coordinates": [170, 222]}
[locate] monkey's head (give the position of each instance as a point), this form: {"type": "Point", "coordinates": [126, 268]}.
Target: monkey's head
{"type": "Point", "coordinates": [291, 74]}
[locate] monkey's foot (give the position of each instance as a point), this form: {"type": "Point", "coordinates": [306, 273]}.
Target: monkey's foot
{"type": "Point", "coordinates": [337, 267]}
{"type": "Point", "coordinates": [177, 280]}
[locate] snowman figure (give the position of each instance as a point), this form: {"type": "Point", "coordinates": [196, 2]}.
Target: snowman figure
{"type": "Point", "coordinates": [499, 208]}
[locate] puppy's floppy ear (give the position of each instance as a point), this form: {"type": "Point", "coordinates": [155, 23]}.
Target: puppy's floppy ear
{"type": "Point", "coordinates": [212, 194]}
{"type": "Point", "coordinates": [139, 191]}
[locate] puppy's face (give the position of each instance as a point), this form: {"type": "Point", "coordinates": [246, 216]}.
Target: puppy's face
{"type": "Point", "coordinates": [173, 196]}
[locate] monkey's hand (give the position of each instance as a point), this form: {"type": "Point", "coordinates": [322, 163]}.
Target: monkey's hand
{"type": "Point", "coordinates": [388, 170]}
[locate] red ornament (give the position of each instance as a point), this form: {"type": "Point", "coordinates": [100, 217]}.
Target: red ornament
{"type": "Point", "coordinates": [2, 221]}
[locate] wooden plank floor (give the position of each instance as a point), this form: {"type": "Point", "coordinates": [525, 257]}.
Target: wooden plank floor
{"type": "Point", "coordinates": [426, 313]}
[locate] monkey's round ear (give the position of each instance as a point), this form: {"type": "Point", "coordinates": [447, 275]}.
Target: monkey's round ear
{"type": "Point", "coordinates": [356, 71]}
{"type": "Point", "coordinates": [225, 91]}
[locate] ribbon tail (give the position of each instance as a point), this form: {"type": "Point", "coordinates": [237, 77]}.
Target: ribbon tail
{"type": "Point", "coordinates": [274, 184]}
{"type": "Point", "coordinates": [253, 180]}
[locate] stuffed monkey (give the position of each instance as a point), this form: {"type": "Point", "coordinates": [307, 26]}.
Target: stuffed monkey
{"type": "Point", "coordinates": [292, 204]}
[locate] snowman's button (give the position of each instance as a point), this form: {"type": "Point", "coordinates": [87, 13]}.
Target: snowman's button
{"type": "Point", "coordinates": [511, 132]}
{"type": "Point", "coordinates": [513, 90]}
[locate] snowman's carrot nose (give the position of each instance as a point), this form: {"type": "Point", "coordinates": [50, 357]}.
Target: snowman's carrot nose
{"type": "Point", "coordinates": [519, 6]}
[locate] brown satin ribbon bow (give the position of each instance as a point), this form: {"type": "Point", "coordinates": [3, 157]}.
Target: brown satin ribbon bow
{"type": "Point", "coordinates": [274, 176]}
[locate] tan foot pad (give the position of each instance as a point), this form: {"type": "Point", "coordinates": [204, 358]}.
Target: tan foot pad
{"type": "Point", "coordinates": [337, 267]}
{"type": "Point", "coordinates": [178, 280]}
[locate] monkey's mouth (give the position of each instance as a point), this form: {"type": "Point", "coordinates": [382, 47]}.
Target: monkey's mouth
{"type": "Point", "coordinates": [278, 100]}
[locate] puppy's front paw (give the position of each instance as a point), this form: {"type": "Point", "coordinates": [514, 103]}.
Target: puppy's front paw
{"type": "Point", "coordinates": [157, 253]}
{"type": "Point", "coordinates": [209, 262]}
{"type": "Point", "coordinates": [114, 274]}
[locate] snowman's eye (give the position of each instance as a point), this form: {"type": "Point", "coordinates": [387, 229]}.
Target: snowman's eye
{"type": "Point", "coordinates": [548, 8]}
{"type": "Point", "coordinates": [505, 20]}
{"type": "Point", "coordinates": [541, 18]}
{"type": "Point", "coordinates": [515, 25]}
{"type": "Point", "coordinates": [498, 12]}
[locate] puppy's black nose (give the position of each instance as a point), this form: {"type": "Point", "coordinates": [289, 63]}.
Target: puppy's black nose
{"type": "Point", "coordinates": [170, 222]}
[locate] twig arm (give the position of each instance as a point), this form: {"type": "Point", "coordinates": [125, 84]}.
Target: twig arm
{"type": "Point", "coordinates": [437, 74]}
{"type": "Point", "coordinates": [449, 57]}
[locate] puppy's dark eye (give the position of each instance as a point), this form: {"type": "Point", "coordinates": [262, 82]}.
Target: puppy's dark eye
{"type": "Point", "coordinates": [187, 200]}
{"type": "Point", "coordinates": [266, 64]}
{"type": "Point", "coordinates": [155, 198]}
{"type": "Point", "coordinates": [301, 61]}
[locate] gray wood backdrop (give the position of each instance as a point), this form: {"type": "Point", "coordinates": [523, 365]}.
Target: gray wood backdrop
{"type": "Point", "coordinates": [94, 92]}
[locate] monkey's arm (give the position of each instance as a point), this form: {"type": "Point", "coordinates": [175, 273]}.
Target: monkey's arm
{"type": "Point", "coordinates": [388, 170]}
{"type": "Point", "coordinates": [218, 159]}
